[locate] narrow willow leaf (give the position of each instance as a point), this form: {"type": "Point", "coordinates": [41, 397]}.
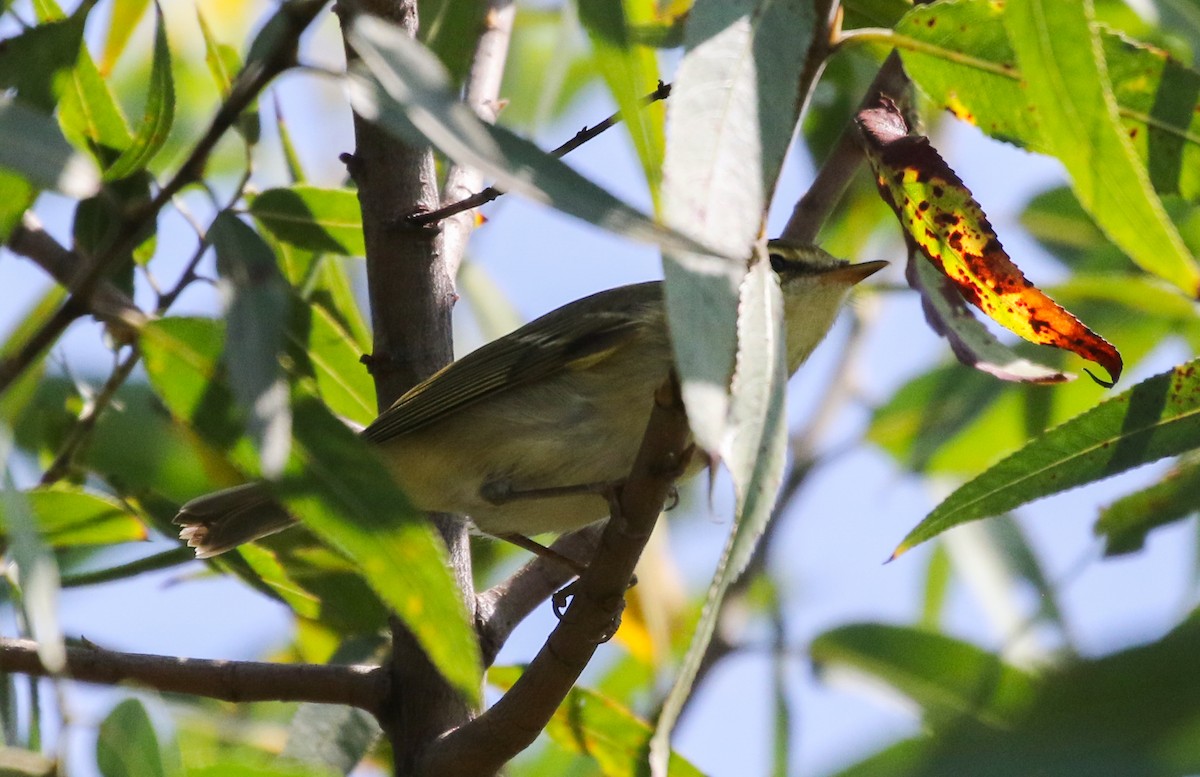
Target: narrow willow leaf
{"type": "Point", "coordinates": [127, 745]}
{"type": "Point", "coordinates": [1158, 417]}
{"type": "Point", "coordinates": [68, 516]}
{"type": "Point", "coordinates": [942, 220]}
{"type": "Point", "coordinates": [737, 96]}
{"type": "Point", "coordinates": [948, 678]}
{"type": "Point", "coordinates": [224, 63]}
{"type": "Point", "coordinates": [734, 104]}
{"type": "Point", "coordinates": [124, 19]}
{"type": "Point", "coordinates": [630, 69]}
{"type": "Point", "coordinates": [596, 726]}
{"type": "Point", "coordinates": [336, 359]}
{"type": "Point", "coordinates": [257, 301]}
{"type": "Point", "coordinates": [159, 114]}
{"type": "Point", "coordinates": [313, 218]}
{"type": "Point", "coordinates": [1125, 523]}
{"type": "Point", "coordinates": [410, 93]}
{"type": "Point", "coordinates": [33, 61]}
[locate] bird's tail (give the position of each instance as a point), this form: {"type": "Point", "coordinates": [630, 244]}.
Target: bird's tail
{"type": "Point", "coordinates": [220, 521]}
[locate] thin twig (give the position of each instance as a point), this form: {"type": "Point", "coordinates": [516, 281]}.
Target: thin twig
{"type": "Point", "coordinates": [583, 136]}
{"type": "Point", "coordinates": [236, 681]}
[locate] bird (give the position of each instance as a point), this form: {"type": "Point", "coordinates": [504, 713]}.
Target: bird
{"type": "Point", "coordinates": [521, 434]}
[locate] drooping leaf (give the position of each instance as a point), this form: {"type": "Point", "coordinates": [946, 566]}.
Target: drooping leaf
{"type": "Point", "coordinates": [409, 93]}
{"type": "Point", "coordinates": [597, 726]}
{"type": "Point", "coordinates": [747, 58]}
{"type": "Point", "coordinates": [89, 114]}
{"type": "Point", "coordinates": [127, 745]}
{"type": "Point", "coordinates": [257, 301]}
{"type": "Point", "coordinates": [313, 218]}
{"type": "Point", "coordinates": [159, 114]}
{"type": "Point", "coordinates": [941, 218]}
{"type": "Point", "coordinates": [948, 678]}
{"type": "Point", "coordinates": [1158, 417]}
{"type": "Point", "coordinates": [948, 315]}
{"type": "Point", "coordinates": [1125, 523]}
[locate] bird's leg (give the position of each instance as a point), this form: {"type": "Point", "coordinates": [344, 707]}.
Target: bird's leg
{"type": "Point", "coordinates": [538, 549]}
{"type": "Point", "coordinates": [500, 491]}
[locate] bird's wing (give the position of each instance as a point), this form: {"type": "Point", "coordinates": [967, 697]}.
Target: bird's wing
{"type": "Point", "coordinates": [536, 351]}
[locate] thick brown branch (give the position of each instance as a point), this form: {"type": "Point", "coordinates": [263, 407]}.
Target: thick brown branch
{"type": "Point", "coordinates": [491, 740]}
{"type": "Point", "coordinates": [238, 681]}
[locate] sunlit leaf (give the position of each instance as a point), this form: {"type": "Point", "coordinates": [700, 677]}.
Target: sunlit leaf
{"type": "Point", "coordinates": [159, 113]}
{"type": "Point", "coordinates": [336, 360]}
{"type": "Point", "coordinates": [68, 515]}
{"type": "Point", "coordinates": [127, 745]}
{"type": "Point", "coordinates": [313, 218]}
{"type": "Point", "coordinates": [1158, 417]}
{"type": "Point", "coordinates": [942, 219]}
{"type": "Point", "coordinates": [124, 19]}
{"type": "Point", "coordinates": [1125, 523]}
{"type": "Point", "coordinates": [948, 678]}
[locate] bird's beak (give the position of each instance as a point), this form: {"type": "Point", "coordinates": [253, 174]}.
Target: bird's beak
{"type": "Point", "coordinates": [851, 274]}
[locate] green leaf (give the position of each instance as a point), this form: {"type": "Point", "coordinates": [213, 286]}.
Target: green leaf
{"type": "Point", "coordinates": [1125, 523]}
{"type": "Point", "coordinates": [339, 487]}
{"type": "Point", "coordinates": [182, 357]}
{"type": "Point", "coordinates": [89, 114]}
{"type": "Point", "coordinates": [32, 61]}
{"type": "Point", "coordinates": [224, 63]}
{"type": "Point", "coordinates": [68, 516]}
{"type": "Point", "coordinates": [127, 745]}
{"type": "Point", "coordinates": [1076, 111]}
{"type": "Point", "coordinates": [450, 30]}
{"type": "Point", "coordinates": [257, 303]}
{"type": "Point", "coordinates": [313, 218]}
{"type": "Point", "coordinates": [598, 727]}
{"type": "Point", "coordinates": [122, 21]}
{"type": "Point", "coordinates": [747, 58]}
{"type": "Point", "coordinates": [1158, 417]}
{"type": "Point", "coordinates": [937, 587]}
{"type": "Point", "coordinates": [336, 362]}
{"type": "Point", "coordinates": [949, 679]}
{"type": "Point", "coordinates": [874, 13]}
{"type": "Point", "coordinates": [159, 114]}
{"type": "Point", "coordinates": [735, 101]}
{"type": "Point", "coordinates": [410, 96]}
{"type": "Point", "coordinates": [35, 149]}
{"type": "Point", "coordinates": [18, 396]}
{"type": "Point", "coordinates": [631, 72]}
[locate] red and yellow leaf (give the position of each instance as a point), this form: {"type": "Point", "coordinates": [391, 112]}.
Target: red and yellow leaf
{"type": "Point", "coordinates": [944, 222]}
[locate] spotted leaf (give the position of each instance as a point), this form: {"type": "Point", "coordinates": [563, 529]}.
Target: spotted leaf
{"type": "Point", "coordinates": [942, 220]}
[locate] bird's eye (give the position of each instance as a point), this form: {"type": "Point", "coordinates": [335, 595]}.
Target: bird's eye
{"type": "Point", "coordinates": [778, 263]}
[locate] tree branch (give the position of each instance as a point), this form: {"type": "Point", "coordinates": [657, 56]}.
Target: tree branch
{"type": "Point", "coordinates": [237, 681]}
{"type": "Point", "coordinates": [499, 609]}
{"type": "Point", "coordinates": [509, 726]}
